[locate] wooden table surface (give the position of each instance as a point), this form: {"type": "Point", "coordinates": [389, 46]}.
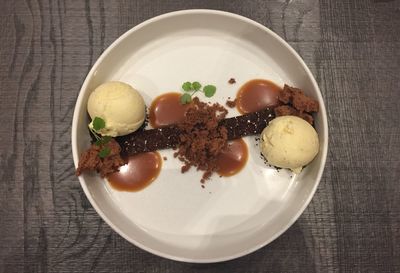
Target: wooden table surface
{"type": "Point", "coordinates": [353, 221]}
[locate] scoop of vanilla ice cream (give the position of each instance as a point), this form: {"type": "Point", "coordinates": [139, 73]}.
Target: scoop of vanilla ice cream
{"type": "Point", "coordinates": [289, 142]}
{"type": "Point", "coordinates": [119, 105]}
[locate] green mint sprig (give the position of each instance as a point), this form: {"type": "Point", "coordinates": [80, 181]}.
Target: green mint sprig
{"type": "Point", "coordinates": [191, 88]}
{"type": "Point", "coordinates": [98, 124]}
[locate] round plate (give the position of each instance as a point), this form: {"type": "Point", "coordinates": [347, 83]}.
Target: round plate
{"type": "Point", "coordinates": [174, 217]}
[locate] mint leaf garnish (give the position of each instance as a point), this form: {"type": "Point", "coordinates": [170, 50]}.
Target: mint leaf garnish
{"type": "Point", "coordinates": [187, 86]}
{"type": "Point", "coordinates": [186, 98]}
{"type": "Point", "coordinates": [209, 90]}
{"type": "Point", "coordinates": [196, 86]}
{"type": "Point", "coordinates": [98, 123]}
{"type": "Point", "coordinates": [192, 88]}
{"type": "Point", "coordinates": [104, 152]}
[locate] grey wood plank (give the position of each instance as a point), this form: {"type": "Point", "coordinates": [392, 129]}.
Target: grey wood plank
{"type": "Point", "coordinates": [357, 63]}
{"type": "Point", "coordinates": [48, 225]}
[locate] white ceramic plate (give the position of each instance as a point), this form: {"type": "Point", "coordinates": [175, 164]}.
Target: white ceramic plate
{"type": "Point", "coordinates": [174, 217]}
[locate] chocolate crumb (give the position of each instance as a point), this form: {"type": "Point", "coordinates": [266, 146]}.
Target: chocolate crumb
{"type": "Point", "coordinates": [264, 159]}
{"type": "Point", "coordinates": [231, 103]}
{"type": "Point", "coordinates": [232, 81]}
{"type": "Point", "coordinates": [165, 158]}
{"type": "Point", "coordinates": [185, 168]}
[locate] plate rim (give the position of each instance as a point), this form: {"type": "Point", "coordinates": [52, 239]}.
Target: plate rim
{"type": "Point", "coordinates": [282, 42]}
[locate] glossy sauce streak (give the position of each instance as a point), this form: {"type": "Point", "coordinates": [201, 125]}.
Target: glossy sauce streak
{"type": "Point", "coordinates": [166, 109]}
{"type": "Point", "coordinates": [140, 171]}
{"type": "Point", "coordinates": [256, 95]}
{"type": "Point", "coordinates": [230, 162]}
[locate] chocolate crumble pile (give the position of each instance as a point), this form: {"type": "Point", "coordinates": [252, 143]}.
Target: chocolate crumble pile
{"type": "Point", "coordinates": [201, 139]}
{"type": "Point", "coordinates": [296, 103]}
{"type": "Point", "coordinates": [90, 160]}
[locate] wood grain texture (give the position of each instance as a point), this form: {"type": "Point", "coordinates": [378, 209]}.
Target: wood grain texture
{"type": "Point", "coordinates": [352, 223]}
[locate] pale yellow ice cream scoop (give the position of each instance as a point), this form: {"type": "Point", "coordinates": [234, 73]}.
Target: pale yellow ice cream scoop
{"type": "Point", "coordinates": [119, 105]}
{"type": "Point", "coordinates": [289, 142]}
